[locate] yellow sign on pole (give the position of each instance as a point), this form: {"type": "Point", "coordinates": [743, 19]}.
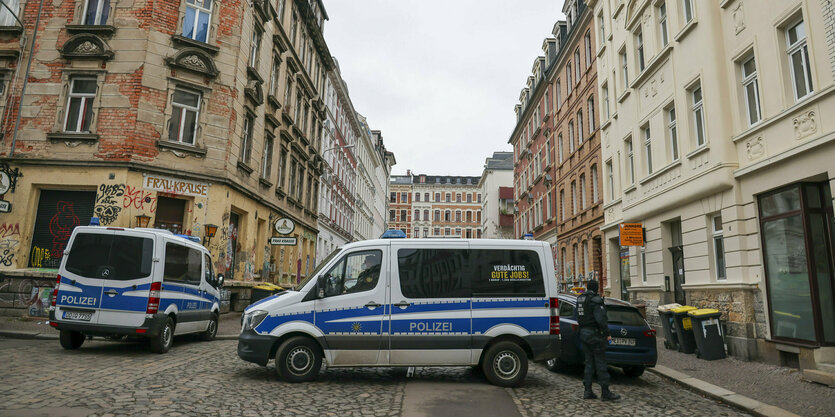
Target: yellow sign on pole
{"type": "Point", "coordinates": [631, 234]}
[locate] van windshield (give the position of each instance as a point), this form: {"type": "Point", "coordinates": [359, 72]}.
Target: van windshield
{"type": "Point", "coordinates": [317, 269]}
{"type": "Point", "coordinates": [111, 257]}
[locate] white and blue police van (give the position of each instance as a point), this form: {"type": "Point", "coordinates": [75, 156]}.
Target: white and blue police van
{"type": "Point", "coordinates": [141, 282]}
{"type": "Point", "coordinates": [413, 302]}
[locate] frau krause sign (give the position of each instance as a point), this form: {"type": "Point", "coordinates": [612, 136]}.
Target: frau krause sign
{"type": "Point", "coordinates": [175, 186]}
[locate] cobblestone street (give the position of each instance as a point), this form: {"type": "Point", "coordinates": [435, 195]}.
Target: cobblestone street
{"type": "Point", "coordinates": [199, 378]}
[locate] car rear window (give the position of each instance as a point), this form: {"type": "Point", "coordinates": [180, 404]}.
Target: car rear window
{"type": "Point", "coordinates": [112, 257]}
{"type": "Point", "coordinates": [624, 316]}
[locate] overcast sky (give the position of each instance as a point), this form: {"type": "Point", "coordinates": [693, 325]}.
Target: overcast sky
{"type": "Point", "coordinates": [439, 78]}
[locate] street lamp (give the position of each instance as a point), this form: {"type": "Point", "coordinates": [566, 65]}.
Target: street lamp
{"type": "Point", "coordinates": [209, 233]}
{"type": "Point", "coordinates": [142, 220]}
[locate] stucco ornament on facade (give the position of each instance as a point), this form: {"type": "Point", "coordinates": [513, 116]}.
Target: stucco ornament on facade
{"type": "Point", "coordinates": [194, 61]}
{"type": "Point", "coordinates": [739, 19]}
{"type": "Point", "coordinates": [755, 148]}
{"type": "Point", "coordinates": [805, 124]}
{"type": "Point", "coordinates": [87, 48]}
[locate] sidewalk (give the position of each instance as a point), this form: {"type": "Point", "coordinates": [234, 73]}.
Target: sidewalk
{"type": "Point", "coordinates": [767, 384]}
{"type": "Point", "coordinates": [228, 328]}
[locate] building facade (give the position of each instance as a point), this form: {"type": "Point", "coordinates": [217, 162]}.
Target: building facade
{"type": "Point", "coordinates": [497, 205]}
{"type": "Point", "coordinates": [380, 182]}
{"type": "Point", "coordinates": [557, 148]}
{"type": "Point", "coordinates": [435, 206]}
{"type": "Point", "coordinates": [186, 115]}
{"type": "Point", "coordinates": [723, 158]}
{"type": "Point", "coordinates": [338, 188]}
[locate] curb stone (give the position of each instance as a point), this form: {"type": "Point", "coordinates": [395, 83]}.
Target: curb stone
{"type": "Point", "coordinates": [728, 397]}
{"type": "Point", "coordinates": [21, 334]}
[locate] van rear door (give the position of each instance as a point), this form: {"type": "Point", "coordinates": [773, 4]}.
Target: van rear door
{"type": "Point", "coordinates": [80, 289]}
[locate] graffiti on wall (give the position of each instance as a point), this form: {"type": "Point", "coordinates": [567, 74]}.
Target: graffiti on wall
{"type": "Point", "coordinates": [107, 207]}
{"type": "Point", "coordinates": [9, 241]}
{"type": "Point", "coordinates": [139, 199]}
{"type": "Point", "coordinates": [61, 226]}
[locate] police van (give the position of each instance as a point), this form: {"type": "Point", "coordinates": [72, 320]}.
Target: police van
{"type": "Point", "coordinates": [139, 282]}
{"type": "Point", "coordinates": [413, 302]}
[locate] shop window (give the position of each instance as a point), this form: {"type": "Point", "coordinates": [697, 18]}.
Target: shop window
{"type": "Point", "coordinates": [170, 214]}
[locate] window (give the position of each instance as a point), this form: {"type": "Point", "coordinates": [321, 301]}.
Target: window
{"type": "Point", "coordinates": [182, 264]}
{"type": "Point", "coordinates": [469, 198]}
{"type": "Point", "coordinates": [586, 257]}
{"type": "Point", "coordinates": [648, 148]}
{"type": "Point", "coordinates": [417, 215]}
{"type": "Point", "coordinates": [458, 216]}
{"type": "Point", "coordinates": [6, 17]}
{"type": "Point", "coordinates": [568, 83]}
{"type": "Point", "coordinates": [255, 47]}
{"type": "Point", "coordinates": [591, 115]}
{"type": "Point", "coordinates": [630, 161]}
{"type": "Point", "coordinates": [478, 198]}
{"type": "Point", "coordinates": [579, 128]}
{"type": "Point", "coordinates": [448, 197]}
{"type": "Point", "coordinates": [96, 12]}
{"type": "Point", "coordinates": [577, 72]}
{"type": "Point", "coordinates": [80, 105]}
{"type": "Point", "coordinates": [560, 147]}
{"type": "Point", "coordinates": [643, 264]}
{"type": "Point", "coordinates": [292, 186]}
{"type": "Point", "coordinates": [718, 246]}
{"type": "Point", "coordinates": [437, 196]}
{"type": "Point", "coordinates": [437, 216]}
{"type": "Point", "coordinates": [280, 11]}
{"type": "Point", "coordinates": [404, 198]}
{"type": "Point", "coordinates": [606, 101]}
{"type": "Point", "coordinates": [582, 192]}
{"type": "Point", "coordinates": [426, 197]}
{"type": "Point", "coordinates": [436, 231]}
{"type": "Point", "coordinates": [403, 215]}
{"type": "Point", "coordinates": [198, 16]}
{"type": "Point", "coordinates": [246, 139]}
{"type": "Point", "coordinates": [610, 173]}
{"type": "Point", "coordinates": [698, 114]}
{"type": "Point", "coordinates": [573, 198]}
{"type": "Point", "coordinates": [639, 50]}
{"type": "Point", "coordinates": [417, 196]}
{"type": "Point", "coordinates": [425, 215]}
{"type": "Point", "coordinates": [393, 197]}
{"type": "Point", "coordinates": [274, 77]}
{"type": "Point", "coordinates": [624, 69]}
{"type": "Point", "coordinates": [267, 165]}
{"type": "Point", "coordinates": [183, 127]}
{"type": "Point", "coordinates": [751, 91]}
{"type": "Point", "coordinates": [447, 215]}
{"type": "Point", "coordinates": [281, 167]}
{"type": "Point", "coordinates": [562, 205]}
{"type": "Point", "coordinates": [601, 25]}
{"type": "Point", "coordinates": [673, 135]}
{"type": "Point", "coordinates": [570, 136]}
{"type": "Point", "coordinates": [595, 193]}
{"type": "Point", "coordinates": [355, 273]}
{"type": "Point", "coordinates": [457, 197]}
{"type": "Point", "coordinates": [662, 23]}
{"type": "Point", "coordinates": [131, 257]}
{"type": "Point", "coordinates": [801, 70]}
{"type": "Point", "coordinates": [300, 187]}
{"type": "Point", "coordinates": [559, 94]}
{"type": "Point", "coordinates": [489, 274]}
{"type": "Point", "coordinates": [587, 40]}
{"type": "Point", "coordinates": [447, 231]}
{"type": "Point", "coordinates": [288, 91]}
{"type": "Point", "coordinates": [687, 10]}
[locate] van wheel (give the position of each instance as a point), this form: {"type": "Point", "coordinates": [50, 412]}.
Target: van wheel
{"type": "Point", "coordinates": [505, 364]}
{"type": "Point", "coordinates": [210, 332]}
{"type": "Point", "coordinates": [162, 342]}
{"type": "Point", "coordinates": [71, 340]}
{"type": "Point", "coordinates": [633, 371]}
{"type": "Point", "coordinates": [298, 359]}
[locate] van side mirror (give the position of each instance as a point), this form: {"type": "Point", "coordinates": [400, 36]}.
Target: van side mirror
{"type": "Point", "coordinates": [320, 286]}
{"type": "Point", "coordinates": [219, 281]}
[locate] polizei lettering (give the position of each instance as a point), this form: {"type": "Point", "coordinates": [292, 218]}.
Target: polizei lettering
{"type": "Point", "coordinates": [438, 326]}
{"type": "Point", "coordinates": [75, 300]}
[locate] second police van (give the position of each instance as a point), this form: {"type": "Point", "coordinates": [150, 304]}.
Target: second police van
{"type": "Point", "coordinates": [148, 283]}
{"type": "Point", "coordinates": [413, 302]}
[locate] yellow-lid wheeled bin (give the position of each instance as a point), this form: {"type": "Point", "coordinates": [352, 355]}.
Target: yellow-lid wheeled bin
{"type": "Point", "coordinates": [684, 329]}
{"type": "Point", "coordinates": [710, 342]}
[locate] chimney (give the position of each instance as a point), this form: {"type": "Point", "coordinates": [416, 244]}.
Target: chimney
{"type": "Point", "coordinates": [408, 172]}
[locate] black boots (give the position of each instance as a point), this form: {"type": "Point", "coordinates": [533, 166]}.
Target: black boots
{"type": "Point", "coordinates": [588, 394]}
{"type": "Point", "coordinates": [608, 395]}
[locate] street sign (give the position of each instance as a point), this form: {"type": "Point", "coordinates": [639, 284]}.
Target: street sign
{"type": "Point", "coordinates": [631, 234]}
{"type": "Point", "coordinates": [284, 241]}
{"type": "Point", "coordinates": [5, 206]}
{"type": "Point", "coordinates": [284, 226]}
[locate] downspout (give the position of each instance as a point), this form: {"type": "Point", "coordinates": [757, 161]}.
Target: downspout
{"type": "Point", "coordinates": [25, 75]}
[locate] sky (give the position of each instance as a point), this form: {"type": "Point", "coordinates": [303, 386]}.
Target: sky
{"type": "Point", "coordinates": [439, 78]}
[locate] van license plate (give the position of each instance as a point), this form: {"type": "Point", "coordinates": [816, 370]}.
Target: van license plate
{"type": "Point", "coordinates": [73, 315]}
{"type": "Point", "coordinates": [622, 341]}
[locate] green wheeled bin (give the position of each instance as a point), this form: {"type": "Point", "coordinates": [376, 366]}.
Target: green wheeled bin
{"type": "Point", "coordinates": [684, 329]}
{"type": "Point", "coordinates": [710, 342]}
{"type": "Point", "coordinates": [665, 314]}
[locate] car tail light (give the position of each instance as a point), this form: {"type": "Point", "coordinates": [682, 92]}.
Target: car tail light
{"type": "Point", "coordinates": [554, 304]}
{"type": "Point", "coordinates": [55, 291]}
{"type": "Point", "coordinates": [153, 298]}
{"type": "Point", "coordinates": [649, 333]}
{"type": "Point", "coordinates": [141, 330]}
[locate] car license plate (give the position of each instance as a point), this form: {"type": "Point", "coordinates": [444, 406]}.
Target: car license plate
{"type": "Point", "coordinates": [74, 315]}
{"type": "Point", "coordinates": [622, 341]}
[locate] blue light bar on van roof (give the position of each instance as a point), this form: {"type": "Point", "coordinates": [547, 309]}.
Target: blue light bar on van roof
{"type": "Point", "coordinates": [393, 234]}
{"type": "Point", "coordinates": [194, 239]}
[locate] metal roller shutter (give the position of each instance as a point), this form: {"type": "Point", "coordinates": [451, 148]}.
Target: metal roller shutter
{"type": "Point", "coordinates": [59, 212]}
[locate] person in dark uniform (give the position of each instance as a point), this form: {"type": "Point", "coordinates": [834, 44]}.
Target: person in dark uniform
{"type": "Point", "coordinates": [594, 336]}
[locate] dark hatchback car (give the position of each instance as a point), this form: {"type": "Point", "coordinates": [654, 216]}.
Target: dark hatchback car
{"type": "Point", "coordinates": [633, 340]}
